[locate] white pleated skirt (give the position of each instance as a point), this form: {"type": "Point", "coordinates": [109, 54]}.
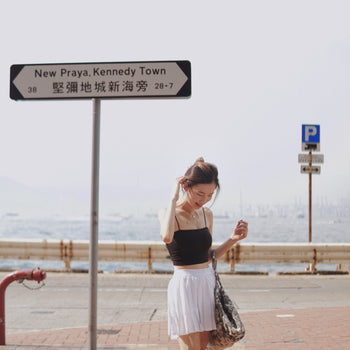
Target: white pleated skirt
{"type": "Point", "coordinates": [191, 304]}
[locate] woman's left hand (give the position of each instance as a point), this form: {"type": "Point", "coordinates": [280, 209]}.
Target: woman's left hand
{"type": "Point", "coordinates": [240, 231]}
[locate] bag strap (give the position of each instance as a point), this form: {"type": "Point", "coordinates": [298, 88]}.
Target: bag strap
{"type": "Point", "coordinates": [218, 284]}
{"type": "Point", "coordinates": [214, 262]}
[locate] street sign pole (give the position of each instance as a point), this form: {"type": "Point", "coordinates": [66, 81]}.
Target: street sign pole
{"type": "Point", "coordinates": [93, 249]}
{"type": "Point", "coordinates": [310, 141]}
{"type": "Point", "coordinates": [310, 198]}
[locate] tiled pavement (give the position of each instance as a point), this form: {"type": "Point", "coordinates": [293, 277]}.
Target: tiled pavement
{"type": "Point", "coordinates": [294, 329]}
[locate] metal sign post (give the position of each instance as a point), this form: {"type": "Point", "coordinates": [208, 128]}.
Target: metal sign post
{"type": "Point", "coordinates": [310, 141]}
{"type": "Point", "coordinates": [310, 198]}
{"type": "Point", "coordinates": [93, 249]}
{"type": "Point", "coordinates": [96, 81]}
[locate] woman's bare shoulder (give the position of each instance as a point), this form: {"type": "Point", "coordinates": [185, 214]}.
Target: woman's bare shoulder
{"type": "Point", "coordinates": [208, 211]}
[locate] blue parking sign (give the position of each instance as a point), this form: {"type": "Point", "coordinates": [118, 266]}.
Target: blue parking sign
{"type": "Point", "coordinates": [310, 138]}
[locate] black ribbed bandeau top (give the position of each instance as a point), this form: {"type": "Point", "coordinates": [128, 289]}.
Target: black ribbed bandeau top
{"type": "Point", "coordinates": [190, 247]}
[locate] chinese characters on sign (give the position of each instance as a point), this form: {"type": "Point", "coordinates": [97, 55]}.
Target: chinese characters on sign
{"type": "Point", "coordinates": [73, 87]}
{"type": "Point", "coordinates": [101, 80]}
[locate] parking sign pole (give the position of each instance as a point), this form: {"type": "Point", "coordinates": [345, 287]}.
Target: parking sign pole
{"type": "Point", "coordinates": [310, 141]}
{"type": "Point", "coordinates": [310, 198]}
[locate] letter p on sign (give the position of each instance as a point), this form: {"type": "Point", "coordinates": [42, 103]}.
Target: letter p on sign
{"type": "Point", "coordinates": [310, 140]}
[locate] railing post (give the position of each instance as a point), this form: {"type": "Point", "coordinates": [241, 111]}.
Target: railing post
{"type": "Point", "coordinates": [232, 259]}
{"type": "Point", "coordinates": [235, 256]}
{"type": "Point", "coordinates": [150, 268]}
{"type": "Point", "coordinates": [67, 264]}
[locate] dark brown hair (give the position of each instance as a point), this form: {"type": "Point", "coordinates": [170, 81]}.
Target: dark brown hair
{"type": "Point", "coordinates": [202, 172]}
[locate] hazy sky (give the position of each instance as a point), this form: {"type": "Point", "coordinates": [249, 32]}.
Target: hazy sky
{"type": "Point", "coordinates": [260, 69]}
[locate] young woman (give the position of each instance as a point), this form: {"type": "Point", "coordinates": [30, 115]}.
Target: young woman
{"type": "Point", "coordinates": [186, 228]}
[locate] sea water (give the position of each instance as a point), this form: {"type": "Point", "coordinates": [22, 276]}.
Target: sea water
{"type": "Point", "coordinates": [262, 229]}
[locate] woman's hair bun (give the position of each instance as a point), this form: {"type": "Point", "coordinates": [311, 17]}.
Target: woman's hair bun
{"type": "Point", "coordinates": [202, 172]}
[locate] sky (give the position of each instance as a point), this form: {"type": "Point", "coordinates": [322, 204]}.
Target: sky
{"type": "Point", "coordinates": [260, 69]}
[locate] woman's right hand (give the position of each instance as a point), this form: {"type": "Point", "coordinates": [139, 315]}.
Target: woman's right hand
{"type": "Point", "coordinates": [176, 189]}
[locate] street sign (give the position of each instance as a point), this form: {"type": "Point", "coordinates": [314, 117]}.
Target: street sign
{"type": "Point", "coordinates": [316, 158]}
{"type": "Point", "coordinates": [310, 137]}
{"type": "Point", "coordinates": [305, 169]}
{"type": "Point", "coordinates": [155, 79]}
{"type": "Point", "coordinates": [310, 141]}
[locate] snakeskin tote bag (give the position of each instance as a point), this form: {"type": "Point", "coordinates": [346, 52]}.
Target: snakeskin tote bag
{"type": "Point", "coordinates": [229, 327]}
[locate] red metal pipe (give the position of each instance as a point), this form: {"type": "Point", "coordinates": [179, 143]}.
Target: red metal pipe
{"type": "Point", "coordinates": [35, 274]}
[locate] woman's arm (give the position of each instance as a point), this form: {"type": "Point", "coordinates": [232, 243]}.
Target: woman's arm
{"type": "Point", "coordinates": [240, 232]}
{"type": "Point", "coordinates": [167, 222]}
{"type": "Point", "coordinates": [167, 215]}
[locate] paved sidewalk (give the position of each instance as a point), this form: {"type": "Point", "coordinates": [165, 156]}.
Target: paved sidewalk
{"type": "Point", "coordinates": [284, 329]}
{"type": "Point", "coordinates": [279, 312]}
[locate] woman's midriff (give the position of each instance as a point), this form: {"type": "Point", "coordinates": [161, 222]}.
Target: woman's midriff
{"type": "Point", "coordinates": [196, 266]}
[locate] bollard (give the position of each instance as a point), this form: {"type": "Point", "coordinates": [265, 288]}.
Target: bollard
{"type": "Point", "coordinates": [32, 275]}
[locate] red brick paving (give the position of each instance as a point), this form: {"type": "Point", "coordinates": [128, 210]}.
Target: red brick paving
{"type": "Point", "coordinates": [313, 328]}
{"type": "Point", "coordinates": [297, 329]}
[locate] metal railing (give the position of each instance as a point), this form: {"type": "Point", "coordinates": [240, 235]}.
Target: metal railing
{"type": "Point", "coordinates": [155, 252]}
